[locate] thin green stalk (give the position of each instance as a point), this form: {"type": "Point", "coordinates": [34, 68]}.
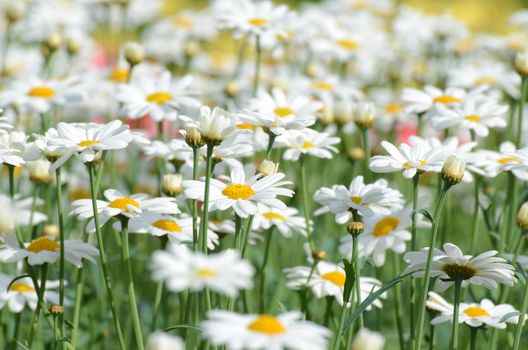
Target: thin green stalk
{"type": "Point", "coordinates": [61, 240]}
{"type": "Point", "coordinates": [271, 140]}
{"type": "Point", "coordinates": [458, 285]}
{"type": "Point", "coordinates": [520, 108]}
{"type": "Point", "coordinates": [130, 283]}
{"type": "Point", "coordinates": [33, 205]}
{"type": "Point", "coordinates": [304, 297]}
{"type": "Point", "coordinates": [159, 292]}
{"type": "Point", "coordinates": [205, 207]}
{"type": "Point", "coordinates": [509, 212]}
{"type": "Point", "coordinates": [240, 57]}
{"type": "Point", "coordinates": [104, 261]}
{"type": "Point", "coordinates": [412, 304]}
{"type": "Point", "coordinates": [36, 314]}
{"type": "Point", "coordinates": [7, 42]}
{"type": "Point", "coordinates": [397, 305]}
{"type": "Point", "coordinates": [473, 339]}
{"type": "Point", "coordinates": [258, 54]}
{"type": "Point", "coordinates": [262, 272]}
{"type": "Point", "coordinates": [11, 171]}
{"type": "Point", "coordinates": [339, 332]}
{"type": "Point", "coordinates": [305, 200]}
{"type": "Point", "coordinates": [366, 149]}
{"type": "Point", "coordinates": [16, 331]}
{"type": "Point", "coordinates": [522, 318]}
{"type": "Point", "coordinates": [194, 203]}
{"type": "Point", "coordinates": [246, 231]}
{"type": "Point", "coordinates": [427, 272]}
{"type": "Point", "coordinates": [420, 127]}
{"type": "Point", "coordinates": [357, 283]}
{"type": "Point", "coordinates": [79, 287]}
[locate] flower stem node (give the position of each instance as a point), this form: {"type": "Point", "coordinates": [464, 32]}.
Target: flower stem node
{"type": "Point", "coordinates": [522, 217]}
{"type": "Point", "coordinates": [453, 170]}
{"type": "Point", "coordinates": [318, 254]}
{"type": "Point", "coordinates": [355, 228]}
{"type": "Point", "coordinates": [172, 185]}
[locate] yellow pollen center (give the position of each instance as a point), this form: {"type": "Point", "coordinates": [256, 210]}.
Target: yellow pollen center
{"type": "Point", "coordinates": [335, 277]}
{"type": "Point", "coordinates": [385, 226]}
{"type": "Point", "coordinates": [267, 324]}
{"type": "Point", "coordinates": [270, 216]}
{"type": "Point", "coordinates": [244, 126]}
{"type": "Point", "coordinates": [307, 145]}
{"type": "Point", "coordinates": [257, 22]}
{"type": "Point", "coordinates": [447, 99]}
{"type": "Point", "coordinates": [283, 111]}
{"type": "Point", "coordinates": [393, 108]}
{"type": "Point", "coordinates": [486, 80]}
{"type": "Point", "coordinates": [420, 164]}
{"type": "Point", "coordinates": [21, 287]}
{"type": "Point", "coordinates": [356, 199]}
{"type": "Point", "coordinates": [42, 92]}
{"type": "Point", "coordinates": [87, 143]}
{"type": "Point", "coordinates": [206, 273]}
{"type": "Point", "coordinates": [475, 312]}
{"type": "Point", "coordinates": [159, 98]}
{"type": "Point", "coordinates": [238, 191]}
{"type": "Point", "coordinates": [123, 203]}
{"type": "Point", "coordinates": [323, 85]}
{"type": "Point", "coordinates": [119, 75]}
{"type": "Point", "coordinates": [472, 118]}
{"type": "Point", "coordinates": [184, 23]}
{"type": "Point", "coordinates": [507, 160]}
{"type": "Point", "coordinates": [43, 243]}
{"type": "Point", "coordinates": [348, 44]}
{"type": "Point", "coordinates": [167, 225]}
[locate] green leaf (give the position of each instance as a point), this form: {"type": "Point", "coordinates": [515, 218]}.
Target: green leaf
{"type": "Point", "coordinates": [424, 212]}
{"type": "Point", "coordinates": [509, 315]}
{"type": "Point", "coordinates": [521, 274]}
{"type": "Point", "coordinates": [188, 326]}
{"type": "Point", "coordinates": [370, 299]}
{"type": "Point", "coordinates": [350, 278]}
{"type": "Point", "coordinates": [282, 307]}
{"type": "Point", "coordinates": [16, 279]}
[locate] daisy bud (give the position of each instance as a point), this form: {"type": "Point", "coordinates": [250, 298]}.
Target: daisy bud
{"type": "Point", "coordinates": [342, 113]}
{"type": "Point", "coordinates": [52, 42]}
{"type": "Point", "coordinates": [356, 153]}
{"type": "Point", "coordinates": [39, 172]}
{"type": "Point", "coordinates": [73, 45]}
{"type": "Point", "coordinates": [318, 254]}
{"type": "Point", "coordinates": [191, 49]}
{"type": "Point", "coordinates": [522, 217]}
{"type": "Point", "coordinates": [368, 340]}
{"type": "Point", "coordinates": [133, 53]}
{"type": "Point", "coordinates": [267, 167]}
{"type": "Point", "coordinates": [355, 228]}
{"type": "Point", "coordinates": [453, 170]}
{"type": "Point", "coordinates": [193, 137]}
{"type": "Point", "coordinates": [172, 185]}
{"type": "Point", "coordinates": [521, 63]}
{"type": "Point", "coordinates": [56, 309]}
{"type": "Point", "coordinates": [363, 113]}
{"type": "Point", "coordinates": [231, 89]}
{"type": "Point", "coordinates": [14, 11]}
{"type": "Point", "coordinates": [51, 231]}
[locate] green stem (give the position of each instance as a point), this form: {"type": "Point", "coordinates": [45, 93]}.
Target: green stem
{"type": "Point", "coordinates": [509, 212]}
{"type": "Point", "coordinates": [7, 41]}
{"type": "Point", "coordinates": [61, 239]}
{"type": "Point", "coordinates": [194, 203]}
{"type": "Point", "coordinates": [104, 261]}
{"type": "Point", "coordinates": [305, 200]}
{"type": "Point", "coordinates": [474, 223]}
{"type": "Point", "coordinates": [159, 292]}
{"type": "Point", "coordinates": [522, 318]}
{"type": "Point", "coordinates": [473, 339]}
{"type": "Point", "coordinates": [246, 231]}
{"type": "Point", "coordinates": [125, 251]}
{"type": "Point", "coordinates": [458, 284]}
{"type": "Point", "coordinates": [262, 271]}
{"type": "Point", "coordinates": [79, 286]}
{"type": "Point", "coordinates": [36, 314]}
{"type": "Point", "coordinates": [427, 272]}
{"type": "Point", "coordinates": [304, 301]}
{"type": "Point", "coordinates": [420, 127]}
{"type": "Point", "coordinates": [366, 149]}
{"type": "Point", "coordinates": [271, 140]}
{"type": "Point", "coordinates": [412, 304]}
{"type": "Point", "coordinates": [258, 54]}
{"type": "Point", "coordinates": [522, 101]}
{"type": "Point", "coordinates": [11, 171]}
{"type": "Point", "coordinates": [205, 207]}
{"type": "Point", "coordinates": [16, 331]}
{"type": "Point", "coordinates": [357, 283]}
{"type": "Point", "coordinates": [397, 303]}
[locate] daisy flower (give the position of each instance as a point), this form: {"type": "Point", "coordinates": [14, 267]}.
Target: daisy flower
{"type": "Point", "coordinates": [264, 332]}
{"type": "Point", "coordinates": [420, 101]}
{"type": "Point", "coordinates": [485, 269]}
{"type": "Point", "coordinates": [214, 125]}
{"type": "Point", "coordinates": [485, 313]}
{"type": "Point", "coordinates": [411, 159]}
{"type": "Point", "coordinates": [309, 142]}
{"type": "Point", "coordinates": [4, 124]}
{"type": "Point", "coordinates": [46, 250]}
{"type": "Point", "coordinates": [476, 115]}
{"type": "Point", "coordinates": [280, 112]}
{"type": "Point", "coordinates": [22, 293]}
{"type": "Point", "coordinates": [286, 220]}
{"type": "Point", "coordinates": [85, 140]}
{"type": "Point", "coordinates": [241, 195]}
{"type": "Point", "coordinates": [15, 149]}
{"type": "Point", "coordinates": [182, 269]}
{"type": "Point", "coordinates": [382, 233]}
{"type": "Point", "coordinates": [367, 200]}
{"type": "Point", "coordinates": [160, 98]}
{"type": "Point", "coordinates": [516, 161]}
{"type": "Point", "coordinates": [117, 204]}
{"type": "Point", "coordinates": [328, 279]}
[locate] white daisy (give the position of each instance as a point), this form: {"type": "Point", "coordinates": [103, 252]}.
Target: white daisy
{"type": "Point", "coordinates": [15, 149]}
{"type": "Point", "coordinates": [286, 220]}
{"type": "Point", "coordinates": [309, 142]}
{"type": "Point", "coordinates": [264, 332]}
{"type": "Point", "coordinates": [420, 101]}
{"type": "Point", "coordinates": [215, 125]}
{"type": "Point", "coordinates": [182, 269]}
{"type": "Point", "coordinates": [4, 124]}
{"type": "Point", "coordinates": [491, 163]}
{"type": "Point", "coordinates": [22, 292]}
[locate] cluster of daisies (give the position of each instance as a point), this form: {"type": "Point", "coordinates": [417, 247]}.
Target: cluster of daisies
{"type": "Point", "coordinates": [253, 176]}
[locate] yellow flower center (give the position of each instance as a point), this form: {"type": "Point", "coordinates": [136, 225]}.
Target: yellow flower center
{"type": "Point", "coordinates": [486, 80]}
{"type": "Point", "coordinates": [385, 226]}
{"type": "Point", "coordinates": [184, 23]}
{"type": "Point", "coordinates": [123, 203]}
{"type": "Point", "coordinates": [87, 143]}
{"type": "Point", "coordinates": [475, 312]}
{"type": "Point", "coordinates": [472, 118]}
{"type": "Point", "coordinates": [267, 324]}
{"type": "Point", "coordinates": [21, 287]}
{"type": "Point", "coordinates": [257, 22]}
{"type": "Point", "coordinates": [507, 160]}
{"type": "Point", "coordinates": [356, 199]}
{"type": "Point", "coordinates": [307, 145]}
{"type": "Point", "coordinates": [43, 243]}
{"type": "Point", "coordinates": [119, 75]}
{"type": "Point", "coordinates": [167, 225]}
{"type": "Point", "coordinates": [393, 108]}
{"type": "Point", "coordinates": [283, 111]}
{"type": "Point", "coordinates": [270, 216]}
{"type": "Point", "coordinates": [348, 44]}
{"type": "Point", "coordinates": [42, 92]}
{"type": "Point", "coordinates": [323, 85]}
{"type": "Point", "coordinates": [420, 164]}
{"type": "Point", "coordinates": [447, 99]}
{"type": "Point", "coordinates": [336, 277]}
{"type": "Point", "coordinates": [238, 191]}
{"type": "Point", "coordinates": [244, 126]}
{"type": "Point", "coordinates": [205, 273]}
{"type": "Point", "coordinates": [456, 271]}
{"type": "Point", "coordinates": [159, 98]}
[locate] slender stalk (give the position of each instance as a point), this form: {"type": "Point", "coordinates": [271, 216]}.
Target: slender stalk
{"type": "Point", "coordinates": [262, 272]}
{"type": "Point", "coordinates": [36, 314]}
{"type": "Point", "coordinates": [427, 272]}
{"type": "Point", "coordinates": [205, 208]}
{"type": "Point", "coordinates": [246, 231]}
{"type": "Point", "coordinates": [366, 149]}
{"type": "Point", "coordinates": [458, 284]}
{"type": "Point", "coordinates": [79, 287]}
{"type": "Point", "coordinates": [508, 220]}
{"type": "Point", "coordinates": [16, 331]}
{"type": "Point", "coordinates": [104, 261]}
{"type": "Point", "coordinates": [194, 203]}
{"type": "Point", "coordinates": [304, 298]}
{"type": "Point", "coordinates": [258, 54]}
{"type": "Point", "coordinates": [474, 222]}
{"type": "Point", "coordinates": [305, 200]}
{"type": "Point", "coordinates": [522, 318]}
{"type": "Point", "coordinates": [420, 127]}
{"type": "Point", "coordinates": [125, 253]}
{"type": "Point", "coordinates": [159, 292]}
{"type": "Point", "coordinates": [412, 304]}
{"type": "Point", "coordinates": [357, 283]}
{"type": "Point", "coordinates": [473, 339]}
{"type": "Point", "coordinates": [397, 303]}
{"type": "Point", "coordinates": [520, 109]}
{"type": "Point", "coordinates": [7, 41]}
{"type": "Point", "coordinates": [11, 171]}
{"type": "Point", "coordinates": [271, 140]}
{"type": "Point", "coordinates": [61, 240]}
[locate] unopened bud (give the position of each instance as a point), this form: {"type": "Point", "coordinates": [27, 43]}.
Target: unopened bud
{"type": "Point", "coordinates": [356, 153]}
{"type": "Point", "coordinates": [134, 53]}
{"type": "Point", "coordinates": [39, 172]}
{"type": "Point", "coordinates": [73, 45]}
{"type": "Point", "coordinates": [193, 137]}
{"type": "Point", "coordinates": [53, 42]}
{"type": "Point", "coordinates": [453, 170]}
{"type": "Point", "coordinates": [521, 63]}
{"type": "Point", "coordinates": [522, 217]}
{"type": "Point", "coordinates": [191, 49]}
{"type": "Point", "coordinates": [231, 88]}
{"type": "Point", "coordinates": [267, 167]}
{"type": "Point", "coordinates": [363, 114]}
{"type": "Point", "coordinates": [56, 309]}
{"type": "Point", "coordinates": [51, 231]}
{"type": "Point", "coordinates": [318, 254]}
{"type": "Point", "coordinates": [14, 11]}
{"type": "Point", "coordinates": [355, 228]}
{"type": "Point", "coordinates": [172, 185]}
